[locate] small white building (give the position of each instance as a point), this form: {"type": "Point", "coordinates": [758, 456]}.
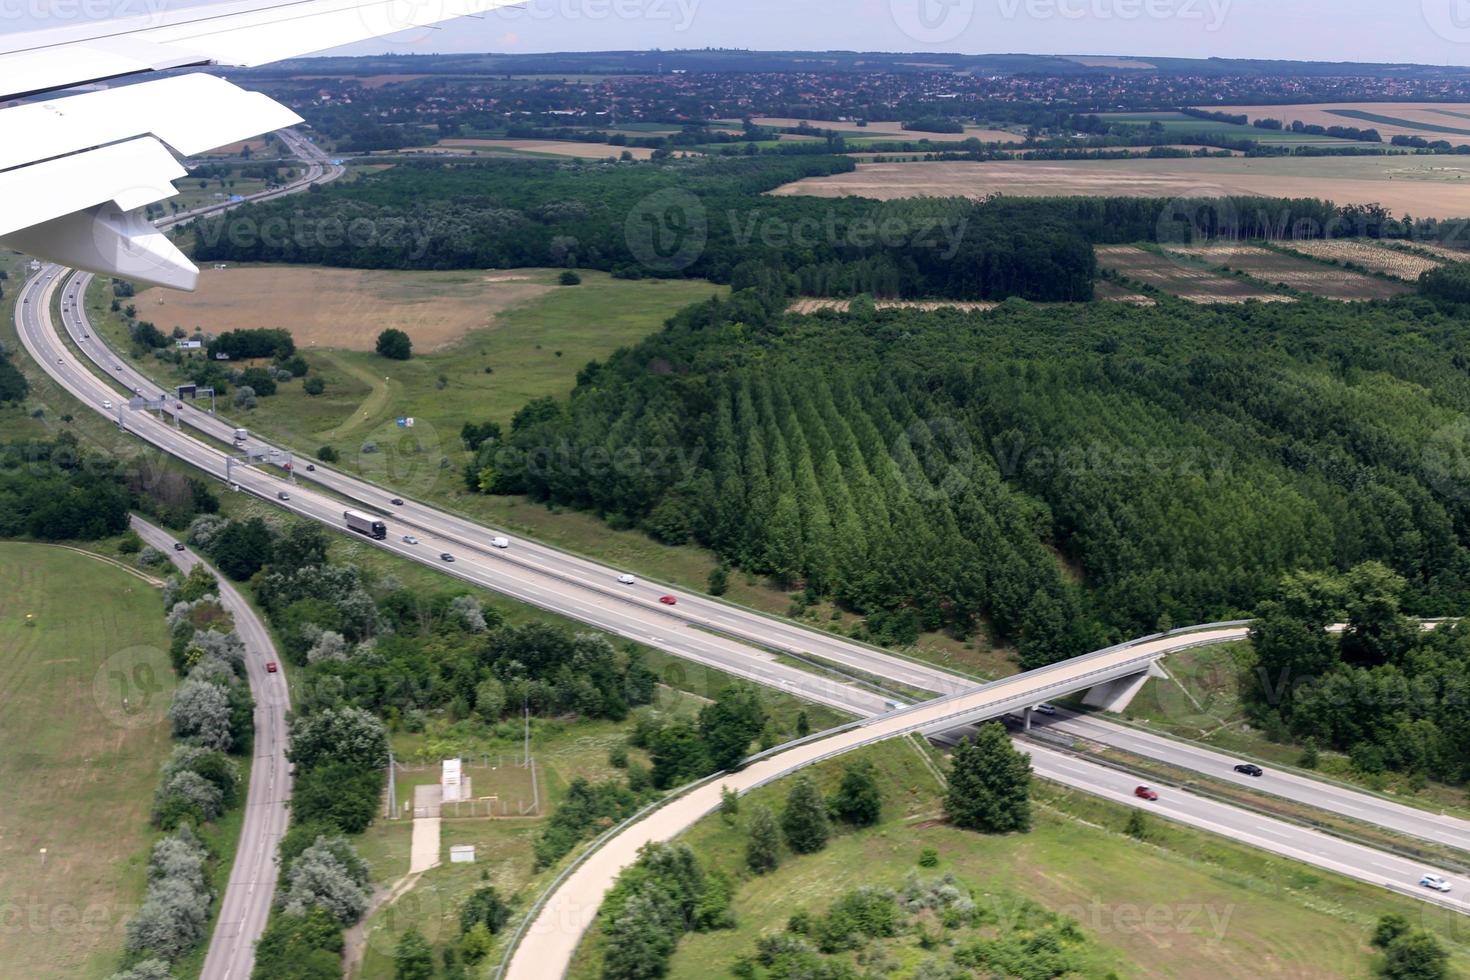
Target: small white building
{"type": "Point", "coordinates": [461, 854]}
{"type": "Point", "coordinates": [451, 781]}
{"type": "Point", "coordinates": [188, 344]}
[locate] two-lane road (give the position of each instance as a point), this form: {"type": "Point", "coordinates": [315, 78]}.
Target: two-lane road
{"type": "Point", "coordinates": [246, 903]}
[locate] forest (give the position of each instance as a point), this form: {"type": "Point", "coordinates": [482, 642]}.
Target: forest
{"type": "Point", "coordinates": [698, 218]}
{"type": "Point", "coordinates": [1063, 480]}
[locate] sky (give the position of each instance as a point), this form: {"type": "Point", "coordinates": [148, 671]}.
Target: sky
{"type": "Point", "coordinates": [1423, 31]}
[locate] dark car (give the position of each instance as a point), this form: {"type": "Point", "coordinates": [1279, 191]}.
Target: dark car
{"type": "Point", "coordinates": [178, 546]}
{"type": "Point", "coordinates": [446, 556]}
{"type": "Point", "coordinates": [270, 667]}
{"type": "Point", "coordinates": [1249, 769]}
{"type": "Point", "coordinates": [311, 467]}
{"type": "Point", "coordinates": [396, 502]}
{"type": "Point", "coordinates": [1144, 793]}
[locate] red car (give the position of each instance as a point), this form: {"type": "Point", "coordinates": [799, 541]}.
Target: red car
{"type": "Point", "coordinates": [270, 667]}
{"type": "Point", "coordinates": [1144, 793]}
{"type": "Point", "coordinates": [668, 600]}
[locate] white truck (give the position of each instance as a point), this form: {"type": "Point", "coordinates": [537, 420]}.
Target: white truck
{"type": "Point", "coordinates": [241, 435]}
{"type": "Point", "coordinates": [499, 542]}
{"type": "Point", "coordinates": [365, 524]}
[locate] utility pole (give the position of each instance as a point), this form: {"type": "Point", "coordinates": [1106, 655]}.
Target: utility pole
{"type": "Point", "coordinates": [526, 707]}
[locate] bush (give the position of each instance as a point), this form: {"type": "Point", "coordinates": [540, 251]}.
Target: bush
{"type": "Point", "coordinates": [130, 544]}
{"type": "Point", "coordinates": [569, 278]}
{"type": "Point", "coordinates": [314, 385]}
{"type": "Point", "coordinates": [175, 909]}
{"type": "Point", "coordinates": [327, 454]}
{"type": "Point", "coordinates": [858, 799]}
{"type": "Point", "coordinates": [337, 794]}
{"type": "Point", "coordinates": [929, 858]}
{"type": "Point", "coordinates": [300, 947]}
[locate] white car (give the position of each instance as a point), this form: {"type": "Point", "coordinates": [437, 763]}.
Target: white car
{"type": "Point", "coordinates": [1046, 709]}
{"type": "Point", "coordinates": [106, 404]}
{"type": "Point", "coordinates": [626, 579]}
{"type": "Point", "coordinates": [1435, 882]}
{"type": "Point", "coordinates": [500, 542]}
{"type": "Point", "coordinates": [410, 539]}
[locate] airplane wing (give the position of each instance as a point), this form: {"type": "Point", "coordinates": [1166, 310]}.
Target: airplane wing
{"type": "Point", "coordinates": [75, 170]}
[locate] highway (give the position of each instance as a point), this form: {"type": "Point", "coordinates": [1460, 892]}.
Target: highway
{"type": "Point", "coordinates": [697, 628]}
{"type": "Point", "coordinates": [246, 903]}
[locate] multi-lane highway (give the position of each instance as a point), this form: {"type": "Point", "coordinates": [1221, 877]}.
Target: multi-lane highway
{"type": "Point", "coordinates": [739, 641]}
{"type": "Point", "coordinates": [246, 903]}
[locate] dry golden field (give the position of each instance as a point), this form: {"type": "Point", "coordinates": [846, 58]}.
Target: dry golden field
{"type": "Point", "coordinates": [1179, 278]}
{"type": "Point", "coordinates": [1429, 186]}
{"type": "Point", "coordinates": [1295, 273]}
{"type": "Point", "coordinates": [1427, 119]}
{"type": "Point", "coordinates": [1375, 258]}
{"type": "Point", "coordinates": [344, 308]}
{"type": "Point", "coordinates": [877, 130]}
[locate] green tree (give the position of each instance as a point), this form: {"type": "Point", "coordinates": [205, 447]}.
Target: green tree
{"type": "Point", "coordinates": [858, 799]}
{"type": "Point", "coordinates": [989, 784]}
{"type": "Point", "coordinates": [803, 725]}
{"type": "Point", "coordinates": [763, 846]}
{"type": "Point", "coordinates": [413, 957]}
{"type": "Point", "coordinates": [242, 548]}
{"type": "Point", "coordinates": [729, 724]}
{"type": "Point", "coordinates": [804, 822]}
{"type": "Point", "coordinates": [1137, 827]}
{"type": "Point", "coordinates": [314, 385]}
{"type": "Point", "coordinates": [719, 580]}
{"type": "Point", "coordinates": [395, 345]}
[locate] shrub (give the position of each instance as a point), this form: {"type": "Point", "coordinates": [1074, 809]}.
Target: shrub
{"type": "Point", "coordinates": [320, 879]}
{"type": "Point", "coordinates": [569, 278]}
{"type": "Point", "coordinates": [395, 345]}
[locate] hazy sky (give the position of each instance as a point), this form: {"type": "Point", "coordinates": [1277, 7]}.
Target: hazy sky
{"type": "Point", "coordinates": [1431, 31]}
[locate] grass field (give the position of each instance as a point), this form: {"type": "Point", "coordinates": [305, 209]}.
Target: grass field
{"type": "Point", "coordinates": [1180, 277]}
{"type": "Point", "coordinates": [888, 130]}
{"type": "Point", "coordinates": [1429, 186]}
{"type": "Point", "coordinates": [78, 769]}
{"type": "Point", "coordinates": [1280, 269]}
{"type": "Point", "coordinates": [1184, 904]}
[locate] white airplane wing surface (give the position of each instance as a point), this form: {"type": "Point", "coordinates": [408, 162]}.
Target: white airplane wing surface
{"type": "Point", "coordinates": [76, 170]}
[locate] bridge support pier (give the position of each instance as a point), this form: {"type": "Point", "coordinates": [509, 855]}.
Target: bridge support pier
{"type": "Point", "coordinates": [1115, 695]}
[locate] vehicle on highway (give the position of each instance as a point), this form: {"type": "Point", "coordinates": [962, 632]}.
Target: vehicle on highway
{"type": "Point", "coordinates": [58, 360]}
{"type": "Point", "coordinates": [396, 501]}
{"type": "Point", "coordinates": [445, 556]}
{"type": "Point", "coordinates": [410, 539]}
{"type": "Point", "coordinates": [178, 405]}
{"type": "Point", "coordinates": [365, 524]}
{"type": "Point", "coordinates": [498, 542]}
{"type": "Point", "coordinates": [178, 546]}
{"type": "Point", "coordinates": [1250, 769]}
{"type": "Point", "coordinates": [117, 367]}
{"type": "Point", "coordinates": [270, 667]}
{"type": "Point", "coordinates": [668, 600]}
{"type": "Point", "coordinates": [106, 403]}
{"type": "Point", "coordinates": [626, 579]}
{"type": "Point", "coordinates": [1046, 709]}
{"type": "Point", "coordinates": [1144, 793]}
{"type": "Point", "coordinates": [241, 435]}
{"type": "Point", "coordinates": [283, 495]}
{"type": "Point", "coordinates": [311, 467]}
{"type": "Point", "coordinates": [1435, 882]}
{"type": "Point", "coordinates": [136, 391]}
